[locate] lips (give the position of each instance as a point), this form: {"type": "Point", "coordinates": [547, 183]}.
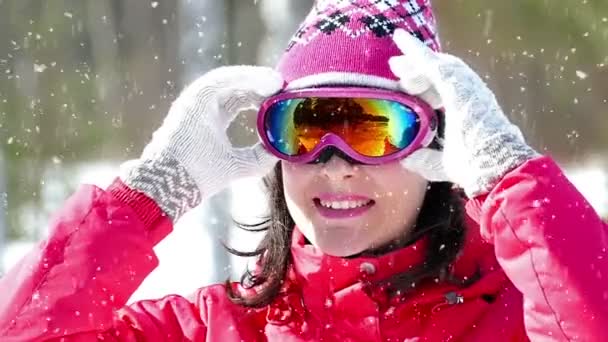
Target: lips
{"type": "Point", "coordinates": [342, 205]}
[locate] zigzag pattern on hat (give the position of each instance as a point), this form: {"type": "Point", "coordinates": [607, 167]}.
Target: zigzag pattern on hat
{"type": "Point", "coordinates": [356, 18]}
{"type": "Point", "coordinates": [351, 40]}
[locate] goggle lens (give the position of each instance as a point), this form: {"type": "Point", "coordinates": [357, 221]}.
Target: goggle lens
{"type": "Point", "coordinates": [371, 127]}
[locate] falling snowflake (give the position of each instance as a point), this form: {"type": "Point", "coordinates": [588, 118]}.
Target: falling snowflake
{"type": "Point", "coordinates": [581, 74]}
{"type": "Point", "coordinates": [39, 67]}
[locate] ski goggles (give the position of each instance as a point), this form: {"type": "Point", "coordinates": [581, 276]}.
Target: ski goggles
{"type": "Point", "coordinates": [370, 126]}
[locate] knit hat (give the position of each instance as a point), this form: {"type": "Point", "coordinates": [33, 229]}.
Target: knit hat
{"type": "Point", "coordinates": [349, 42]}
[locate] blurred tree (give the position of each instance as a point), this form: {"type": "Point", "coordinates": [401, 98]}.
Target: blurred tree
{"type": "Point", "coordinates": [547, 62]}
{"type": "Point", "coordinates": [82, 80]}
{"type": "Point", "coordinates": [204, 32]}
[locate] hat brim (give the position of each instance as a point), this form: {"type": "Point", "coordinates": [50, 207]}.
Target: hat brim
{"type": "Point", "coordinates": [330, 79]}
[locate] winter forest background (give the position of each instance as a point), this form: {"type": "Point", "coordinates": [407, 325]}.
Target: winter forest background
{"type": "Point", "coordinates": [84, 83]}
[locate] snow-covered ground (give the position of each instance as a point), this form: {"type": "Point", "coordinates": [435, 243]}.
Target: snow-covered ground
{"type": "Point", "coordinates": [185, 261]}
{"type": "Point", "coordinates": [592, 181]}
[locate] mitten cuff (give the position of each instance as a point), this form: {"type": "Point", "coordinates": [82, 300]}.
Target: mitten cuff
{"type": "Point", "coordinates": [165, 181]}
{"type": "Point", "coordinates": [500, 155]}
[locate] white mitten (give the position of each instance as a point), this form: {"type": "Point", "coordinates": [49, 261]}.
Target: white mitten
{"type": "Point", "coordinates": [190, 157]}
{"type": "Point", "coordinates": [480, 145]}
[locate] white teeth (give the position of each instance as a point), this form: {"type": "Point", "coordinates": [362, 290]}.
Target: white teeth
{"type": "Point", "coordinates": [344, 204]}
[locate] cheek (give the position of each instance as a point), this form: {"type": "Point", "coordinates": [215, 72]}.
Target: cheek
{"type": "Point", "coordinates": [297, 183]}
{"type": "Point", "coordinates": [400, 196]}
{"type": "Point", "coordinates": [297, 178]}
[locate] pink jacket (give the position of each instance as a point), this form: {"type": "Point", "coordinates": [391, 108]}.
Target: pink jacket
{"type": "Point", "coordinates": [541, 252]}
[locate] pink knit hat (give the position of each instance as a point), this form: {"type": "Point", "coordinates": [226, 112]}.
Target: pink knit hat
{"type": "Point", "coordinates": [349, 42]}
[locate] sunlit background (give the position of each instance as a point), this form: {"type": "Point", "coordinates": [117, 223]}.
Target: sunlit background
{"type": "Point", "coordinates": [84, 83]}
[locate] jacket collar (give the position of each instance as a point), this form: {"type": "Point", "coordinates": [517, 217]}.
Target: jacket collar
{"type": "Point", "coordinates": [322, 289]}
{"type": "Point", "coordinates": [336, 273]}
{"type": "Point", "coordinates": [325, 275]}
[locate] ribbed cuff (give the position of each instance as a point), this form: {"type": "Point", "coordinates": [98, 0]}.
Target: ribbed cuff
{"type": "Point", "coordinates": [146, 209]}
{"type": "Point", "coordinates": [166, 181]}
{"type": "Point", "coordinates": [499, 155]}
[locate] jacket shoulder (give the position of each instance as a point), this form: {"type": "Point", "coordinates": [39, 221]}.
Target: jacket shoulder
{"type": "Point", "coordinates": [217, 310]}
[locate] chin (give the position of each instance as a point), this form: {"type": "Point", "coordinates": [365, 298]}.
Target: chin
{"type": "Point", "coordinates": [339, 248]}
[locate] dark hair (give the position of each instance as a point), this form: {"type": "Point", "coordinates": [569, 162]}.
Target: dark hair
{"type": "Point", "coordinates": [440, 218]}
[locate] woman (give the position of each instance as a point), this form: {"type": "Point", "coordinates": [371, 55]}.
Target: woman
{"type": "Point", "coordinates": [366, 239]}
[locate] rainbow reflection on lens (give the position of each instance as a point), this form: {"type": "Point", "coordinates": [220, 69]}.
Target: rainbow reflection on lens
{"type": "Point", "coordinates": [371, 127]}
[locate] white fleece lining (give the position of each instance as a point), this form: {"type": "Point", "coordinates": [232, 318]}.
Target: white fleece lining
{"type": "Point", "coordinates": [343, 79]}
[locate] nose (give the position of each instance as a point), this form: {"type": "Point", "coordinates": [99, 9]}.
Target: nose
{"type": "Point", "coordinates": [338, 169]}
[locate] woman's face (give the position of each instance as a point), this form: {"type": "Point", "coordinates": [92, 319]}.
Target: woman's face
{"type": "Point", "coordinates": [345, 209]}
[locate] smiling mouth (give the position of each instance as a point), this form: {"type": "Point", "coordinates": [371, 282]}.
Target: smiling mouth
{"type": "Point", "coordinates": [343, 208]}
{"type": "Point", "coordinates": [344, 204]}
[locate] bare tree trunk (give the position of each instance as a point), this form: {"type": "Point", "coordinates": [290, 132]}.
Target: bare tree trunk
{"type": "Point", "coordinates": [3, 210]}
{"type": "Point", "coordinates": [145, 70]}
{"type": "Point", "coordinates": [281, 19]}
{"type": "Point", "coordinates": [3, 170]}
{"type": "Point", "coordinates": [5, 90]}
{"type": "Point", "coordinates": [105, 54]}
{"type": "Point", "coordinates": [203, 34]}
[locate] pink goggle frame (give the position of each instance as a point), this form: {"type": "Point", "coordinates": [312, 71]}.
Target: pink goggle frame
{"type": "Point", "coordinates": [426, 115]}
